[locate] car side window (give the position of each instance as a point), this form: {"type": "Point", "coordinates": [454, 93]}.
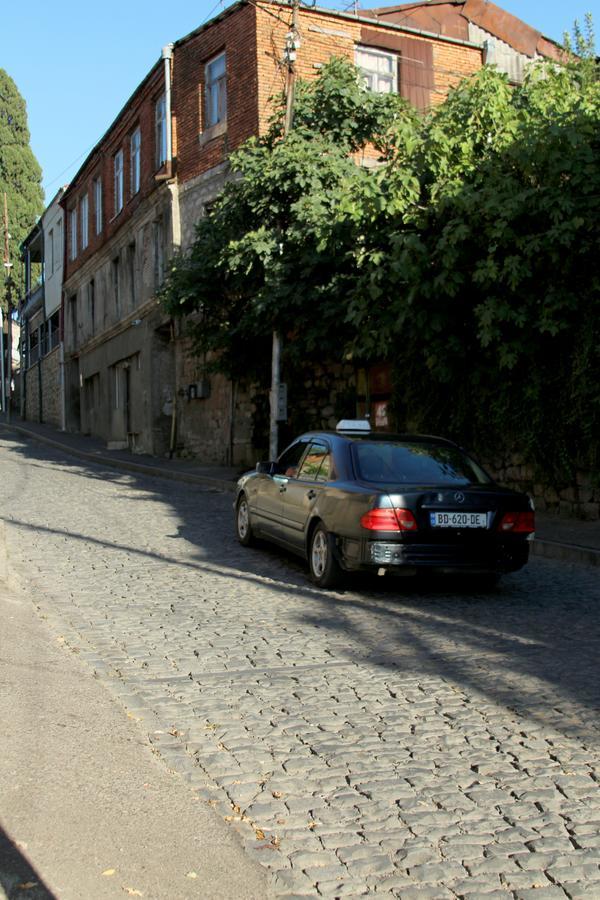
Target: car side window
{"type": "Point", "coordinates": [316, 464]}
{"type": "Point", "coordinates": [288, 462]}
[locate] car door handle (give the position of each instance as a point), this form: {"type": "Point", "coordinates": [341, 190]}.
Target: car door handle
{"type": "Point", "coordinates": [311, 494]}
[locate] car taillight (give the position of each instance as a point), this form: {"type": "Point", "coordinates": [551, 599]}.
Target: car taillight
{"type": "Point", "coordinates": [389, 520]}
{"type": "Point", "coordinates": [518, 523]}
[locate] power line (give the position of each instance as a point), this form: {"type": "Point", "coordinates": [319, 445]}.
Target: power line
{"type": "Point", "coordinates": [48, 184]}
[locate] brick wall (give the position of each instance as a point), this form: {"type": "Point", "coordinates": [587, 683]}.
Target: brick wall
{"type": "Point", "coordinates": [236, 35]}
{"type": "Point", "coordinates": [324, 35]}
{"type": "Point", "coordinates": [139, 111]}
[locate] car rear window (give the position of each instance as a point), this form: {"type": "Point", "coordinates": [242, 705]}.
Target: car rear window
{"type": "Point", "coordinates": [387, 462]}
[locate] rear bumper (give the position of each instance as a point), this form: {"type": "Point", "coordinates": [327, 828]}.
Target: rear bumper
{"type": "Point", "coordinates": [495, 557]}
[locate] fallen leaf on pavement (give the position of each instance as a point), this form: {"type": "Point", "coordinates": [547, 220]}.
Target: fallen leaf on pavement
{"type": "Point", "coordinates": [27, 885]}
{"type": "Point", "coordinates": [260, 835]}
{"type": "Point", "coordinates": [109, 872]}
{"type": "Point", "coordinates": [277, 794]}
{"type": "Point", "coordinates": [132, 892]}
{"type": "Point", "coordinates": [191, 875]}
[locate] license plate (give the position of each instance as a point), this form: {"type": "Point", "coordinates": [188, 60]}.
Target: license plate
{"type": "Point", "coordinates": [458, 520]}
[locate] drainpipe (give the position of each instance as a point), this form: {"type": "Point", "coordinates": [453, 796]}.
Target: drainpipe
{"type": "Point", "coordinates": [63, 410]}
{"type": "Point", "coordinates": [167, 55]}
{"type": "Point", "coordinates": [173, 439]}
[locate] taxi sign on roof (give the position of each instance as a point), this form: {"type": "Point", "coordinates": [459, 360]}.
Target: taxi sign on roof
{"type": "Point", "coordinates": [353, 425]}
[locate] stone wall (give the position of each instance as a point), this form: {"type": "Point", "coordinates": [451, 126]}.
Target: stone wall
{"type": "Point", "coordinates": [48, 371]}
{"type": "Point", "coordinates": [579, 500]}
{"type": "Point", "coordinates": [216, 429]}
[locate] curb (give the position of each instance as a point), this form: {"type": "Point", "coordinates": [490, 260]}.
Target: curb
{"type": "Point", "coordinates": [126, 465]}
{"type": "Point", "coordinates": [571, 553]}
{"type": "Point", "coordinates": [547, 549]}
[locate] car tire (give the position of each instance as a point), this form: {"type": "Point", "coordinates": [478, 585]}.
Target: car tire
{"type": "Point", "coordinates": [243, 528]}
{"type": "Point", "coordinates": [325, 571]}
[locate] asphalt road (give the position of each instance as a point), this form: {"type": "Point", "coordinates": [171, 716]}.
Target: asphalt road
{"type": "Point", "coordinates": [411, 743]}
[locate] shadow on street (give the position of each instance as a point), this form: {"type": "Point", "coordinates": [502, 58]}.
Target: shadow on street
{"type": "Point", "coordinates": [531, 645]}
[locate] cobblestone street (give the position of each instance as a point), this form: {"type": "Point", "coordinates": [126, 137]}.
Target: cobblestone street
{"type": "Point", "coordinates": [389, 740]}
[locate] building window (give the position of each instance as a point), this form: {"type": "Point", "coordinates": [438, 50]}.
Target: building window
{"type": "Point", "coordinates": [160, 128]}
{"type": "Point", "coordinates": [379, 70]}
{"type": "Point", "coordinates": [98, 204]}
{"type": "Point", "coordinates": [58, 248]}
{"type": "Point", "coordinates": [159, 253]}
{"type": "Point", "coordinates": [84, 212]}
{"type": "Point", "coordinates": [53, 330]}
{"type": "Point", "coordinates": [135, 160]}
{"type": "Point", "coordinates": [216, 91]}
{"type": "Point", "coordinates": [51, 249]}
{"type": "Point", "coordinates": [118, 179]}
{"type": "Point", "coordinates": [34, 346]}
{"type": "Point", "coordinates": [92, 305]}
{"type": "Point", "coordinates": [73, 324]}
{"type": "Point", "coordinates": [116, 279]}
{"type": "Point", "coordinates": [131, 272]}
{"type": "Point", "coordinates": [73, 233]}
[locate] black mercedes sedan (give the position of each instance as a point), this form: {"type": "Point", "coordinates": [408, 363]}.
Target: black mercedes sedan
{"type": "Point", "coordinates": [355, 500]}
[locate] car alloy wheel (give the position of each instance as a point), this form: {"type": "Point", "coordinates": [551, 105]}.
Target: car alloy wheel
{"type": "Point", "coordinates": [242, 519]}
{"type": "Point", "coordinates": [325, 570]}
{"type": "Point", "coordinates": [319, 553]}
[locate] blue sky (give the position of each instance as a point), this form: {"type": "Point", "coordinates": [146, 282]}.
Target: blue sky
{"type": "Point", "coordinates": [76, 64]}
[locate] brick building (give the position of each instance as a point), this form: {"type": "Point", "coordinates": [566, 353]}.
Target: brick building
{"type": "Point", "coordinates": [129, 375]}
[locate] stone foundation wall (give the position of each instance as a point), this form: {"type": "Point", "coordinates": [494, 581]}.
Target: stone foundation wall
{"type": "Point", "coordinates": [50, 411]}
{"type": "Point", "coordinates": [205, 429]}
{"type": "Point", "coordinates": [580, 500]}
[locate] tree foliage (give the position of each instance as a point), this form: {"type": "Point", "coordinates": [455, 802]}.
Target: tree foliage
{"type": "Point", "coordinates": [20, 173]}
{"type": "Point", "coordinates": [469, 257]}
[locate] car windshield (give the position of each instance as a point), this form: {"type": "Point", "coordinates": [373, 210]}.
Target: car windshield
{"type": "Point", "coordinates": [415, 462]}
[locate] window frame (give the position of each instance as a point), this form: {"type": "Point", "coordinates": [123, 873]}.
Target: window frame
{"type": "Point", "coordinates": [118, 182]}
{"type": "Point", "coordinates": [316, 476]}
{"type": "Point", "coordinates": [135, 161]}
{"type": "Point", "coordinates": [73, 233]}
{"type": "Point", "coordinates": [52, 250]}
{"type": "Point", "coordinates": [84, 213]}
{"type": "Point", "coordinates": [160, 131]}
{"type": "Point", "coordinates": [98, 204]}
{"type": "Point", "coordinates": [215, 88]}
{"type": "Point", "coordinates": [365, 72]}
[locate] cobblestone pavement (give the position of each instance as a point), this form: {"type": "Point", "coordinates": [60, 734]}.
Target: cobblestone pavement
{"type": "Point", "coordinates": [387, 740]}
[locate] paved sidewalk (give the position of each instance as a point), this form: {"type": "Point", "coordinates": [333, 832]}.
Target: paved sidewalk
{"type": "Point", "coordinates": [570, 540]}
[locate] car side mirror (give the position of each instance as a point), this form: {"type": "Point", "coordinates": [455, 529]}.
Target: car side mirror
{"type": "Point", "coordinates": [266, 468]}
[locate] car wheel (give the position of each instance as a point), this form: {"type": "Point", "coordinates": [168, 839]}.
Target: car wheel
{"type": "Point", "coordinates": [325, 570]}
{"type": "Point", "coordinates": [243, 527]}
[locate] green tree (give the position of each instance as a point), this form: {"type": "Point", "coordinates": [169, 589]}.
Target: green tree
{"type": "Point", "coordinates": [494, 296]}
{"type": "Point", "coordinates": [469, 258]}
{"type": "Point", "coordinates": [274, 250]}
{"type": "Point", "coordinates": [20, 173]}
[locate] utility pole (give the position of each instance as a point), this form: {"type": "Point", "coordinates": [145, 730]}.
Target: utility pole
{"type": "Point", "coordinates": [7, 351]}
{"type": "Point", "coordinates": [292, 43]}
